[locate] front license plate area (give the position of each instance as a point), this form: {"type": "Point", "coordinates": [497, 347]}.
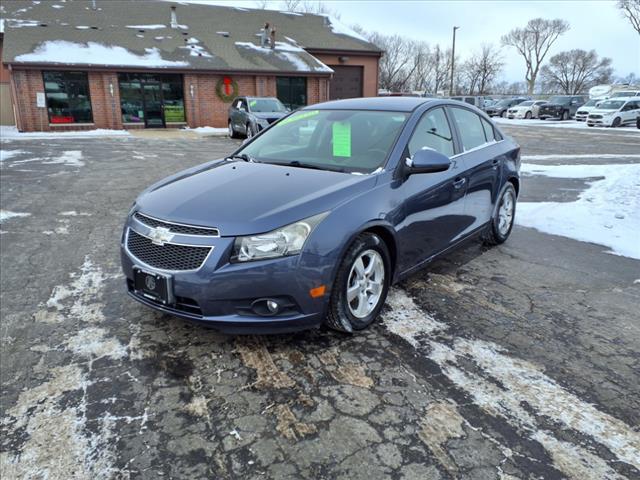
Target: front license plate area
{"type": "Point", "coordinates": [155, 286]}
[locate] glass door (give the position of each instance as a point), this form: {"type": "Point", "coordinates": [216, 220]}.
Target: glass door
{"type": "Point", "coordinates": [153, 110]}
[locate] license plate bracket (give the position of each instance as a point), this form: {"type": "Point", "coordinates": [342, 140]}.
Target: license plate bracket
{"type": "Point", "coordinates": [154, 286]}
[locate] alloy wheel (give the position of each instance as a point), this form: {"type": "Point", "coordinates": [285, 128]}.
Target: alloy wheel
{"type": "Point", "coordinates": [505, 213]}
{"type": "Point", "coordinates": [365, 283]}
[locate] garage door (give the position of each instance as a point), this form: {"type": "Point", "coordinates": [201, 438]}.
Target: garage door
{"type": "Point", "coordinates": [346, 82]}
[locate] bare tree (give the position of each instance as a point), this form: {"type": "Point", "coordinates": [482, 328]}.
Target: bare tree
{"type": "Point", "coordinates": [575, 71]}
{"type": "Point", "coordinates": [533, 43]}
{"type": "Point", "coordinates": [306, 6]}
{"type": "Point", "coordinates": [262, 4]}
{"type": "Point", "coordinates": [398, 63]}
{"type": "Point", "coordinates": [631, 11]}
{"type": "Point", "coordinates": [482, 69]}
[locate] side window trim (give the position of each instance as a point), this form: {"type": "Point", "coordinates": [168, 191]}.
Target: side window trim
{"type": "Point", "coordinates": [459, 152]}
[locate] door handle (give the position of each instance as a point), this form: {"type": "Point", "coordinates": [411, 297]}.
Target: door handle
{"type": "Point", "coordinates": [459, 182]}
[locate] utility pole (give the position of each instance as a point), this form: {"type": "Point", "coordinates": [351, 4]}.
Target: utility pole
{"type": "Point", "coordinates": [453, 60]}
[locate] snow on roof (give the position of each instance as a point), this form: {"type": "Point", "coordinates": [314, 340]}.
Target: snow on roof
{"type": "Point", "coordinates": [92, 53]}
{"type": "Point", "coordinates": [342, 29]}
{"type": "Point", "coordinates": [294, 55]}
{"type": "Point", "coordinates": [154, 26]}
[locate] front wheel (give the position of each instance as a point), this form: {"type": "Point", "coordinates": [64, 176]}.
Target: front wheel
{"type": "Point", "coordinates": [527, 115]}
{"type": "Point", "coordinates": [250, 132]}
{"type": "Point", "coordinates": [503, 217]}
{"type": "Point", "coordinates": [616, 122]}
{"type": "Point", "coordinates": [565, 115]}
{"type": "Point", "coordinates": [232, 131]}
{"type": "Point", "coordinates": [504, 114]}
{"type": "Point", "coordinates": [361, 285]}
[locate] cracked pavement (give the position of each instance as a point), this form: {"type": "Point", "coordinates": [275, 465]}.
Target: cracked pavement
{"type": "Point", "coordinates": [514, 362]}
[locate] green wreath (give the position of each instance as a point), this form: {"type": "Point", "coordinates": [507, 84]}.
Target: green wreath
{"type": "Point", "coordinates": [220, 89]}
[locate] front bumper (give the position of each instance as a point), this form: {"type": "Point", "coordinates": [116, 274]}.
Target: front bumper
{"type": "Point", "coordinates": [220, 294]}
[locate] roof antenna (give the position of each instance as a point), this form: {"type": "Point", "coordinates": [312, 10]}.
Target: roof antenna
{"type": "Point", "coordinates": [174, 17]}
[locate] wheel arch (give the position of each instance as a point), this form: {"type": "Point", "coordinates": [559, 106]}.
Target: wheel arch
{"type": "Point", "coordinates": [515, 181]}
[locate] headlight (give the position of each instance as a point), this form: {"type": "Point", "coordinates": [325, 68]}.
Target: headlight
{"type": "Point", "coordinates": [281, 242]}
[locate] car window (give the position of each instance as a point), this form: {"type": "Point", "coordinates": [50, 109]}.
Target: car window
{"type": "Point", "coordinates": [470, 128]}
{"type": "Point", "coordinates": [243, 104]}
{"type": "Point", "coordinates": [470, 100]}
{"type": "Point", "coordinates": [237, 103]}
{"type": "Point", "coordinates": [489, 132]}
{"type": "Point", "coordinates": [433, 132]}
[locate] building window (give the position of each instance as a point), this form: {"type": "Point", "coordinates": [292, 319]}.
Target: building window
{"type": "Point", "coordinates": [292, 91]}
{"type": "Point", "coordinates": [67, 96]}
{"type": "Point", "coordinates": [151, 99]}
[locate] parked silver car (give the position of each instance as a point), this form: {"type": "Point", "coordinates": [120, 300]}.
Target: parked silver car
{"type": "Point", "coordinates": [250, 115]}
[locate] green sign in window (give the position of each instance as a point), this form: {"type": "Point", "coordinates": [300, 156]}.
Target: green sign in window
{"type": "Point", "coordinates": [341, 139]}
{"type": "Point", "coordinates": [174, 113]}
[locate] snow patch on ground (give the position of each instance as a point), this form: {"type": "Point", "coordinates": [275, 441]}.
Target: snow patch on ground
{"type": "Point", "coordinates": [606, 213]}
{"type": "Point", "coordinates": [154, 26]}
{"type": "Point", "coordinates": [12, 133]}
{"type": "Point", "coordinates": [71, 158]}
{"type": "Point", "coordinates": [7, 215]}
{"type": "Point", "coordinates": [7, 154]}
{"type": "Point", "coordinates": [502, 385]}
{"type": "Point", "coordinates": [579, 156]}
{"type": "Point", "coordinates": [560, 124]}
{"type": "Point", "coordinates": [209, 131]}
{"type": "Point", "coordinates": [62, 51]}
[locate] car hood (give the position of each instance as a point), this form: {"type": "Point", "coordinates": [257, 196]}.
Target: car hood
{"type": "Point", "coordinates": [241, 198]}
{"type": "Point", "coordinates": [265, 115]}
{"type": "Point", "coordinates": [554, 105]}
{"type": "Point", "coordinates": [603, 111]}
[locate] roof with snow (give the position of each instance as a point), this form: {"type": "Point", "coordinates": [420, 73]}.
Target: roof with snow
{"type": "Point", "coordinates": [140, 35]}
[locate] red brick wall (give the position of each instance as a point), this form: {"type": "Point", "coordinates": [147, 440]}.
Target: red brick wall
{"type": "Point", "coordinates": [26, 83]}
{"type": "Point", "coordinates": [4, 72]}
{"type": "Point", "coordinates": [104, 105]}
{"type": "Point", "coordinates": [317, 90]}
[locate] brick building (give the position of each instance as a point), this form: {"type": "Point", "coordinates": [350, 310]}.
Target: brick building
{"type": "Point", "coordinates": [82, 64]}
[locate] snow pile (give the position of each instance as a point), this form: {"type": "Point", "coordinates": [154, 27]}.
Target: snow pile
{"type": "Point", "coordinates": [342, 29]}
{"type": "Point", "coordinates": [290, 53]}
{"type": "Point", "coordinates": [6, 215]}
{"type": "Point", "coordinates": [61, 51]}
{"type": "Point", "coordinates": [607, 213]}
{"type": "Point", "coordinates": [11, 132]}
{"type": "Point", "coordinates": [209, 131]}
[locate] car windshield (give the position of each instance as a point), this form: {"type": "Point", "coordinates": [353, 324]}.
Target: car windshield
{"type": "Point", "coordinates": [266, 105]}
{"type": "Point", "coordinates": [611, 105]}
{"type": "Point", "coordinates": [354, 141]}
{"type": "Point", "coordinates": [560, 100]}
{"type": "Point", "coordinates": [526, 104]}
{"type": "Point", "coordinates": [504, 103]}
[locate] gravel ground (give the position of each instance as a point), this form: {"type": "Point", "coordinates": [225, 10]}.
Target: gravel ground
{"type": "Point", "coordinates": [514, 362]}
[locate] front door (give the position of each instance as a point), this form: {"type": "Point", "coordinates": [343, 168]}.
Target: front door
{"type": "Point", "coordinates": [433, 213]}
{"type": "Point", "coordinates": [154, 117]}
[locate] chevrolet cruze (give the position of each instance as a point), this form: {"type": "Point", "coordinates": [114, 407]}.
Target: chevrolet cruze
{"type": "Point", "coordinates": [311, 221]}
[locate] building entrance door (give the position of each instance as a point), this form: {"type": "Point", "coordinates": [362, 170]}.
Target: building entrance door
{"type": "Point", "coordinates": [153, 110]}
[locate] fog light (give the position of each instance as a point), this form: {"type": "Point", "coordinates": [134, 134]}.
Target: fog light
{"type": "Point", "coordinates": [273, 306]}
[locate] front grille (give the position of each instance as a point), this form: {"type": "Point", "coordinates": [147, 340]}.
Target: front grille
{"type": "Point", "coordinates": [175, 228]}
{"type": "Point", "coordinates": [168, 256]}
{"type": "Point", "coordinates": [581, 113]}
{"type": "Point", "coordinates": [594, 116]}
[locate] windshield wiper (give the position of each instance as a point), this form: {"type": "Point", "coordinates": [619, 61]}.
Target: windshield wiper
{"type": "Point", "coordinates": [242, 156]}
{"type": "Point", "coordinates": [297, 163]}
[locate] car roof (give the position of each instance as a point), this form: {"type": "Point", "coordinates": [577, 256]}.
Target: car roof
{"type": "Point", "coordinates": [251, 97]}
{"type": "Point", "coordinates": [392, 104]}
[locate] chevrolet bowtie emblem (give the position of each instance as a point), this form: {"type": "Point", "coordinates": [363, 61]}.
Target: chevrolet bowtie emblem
{"type": "Point", "coordinates": [160, 235]}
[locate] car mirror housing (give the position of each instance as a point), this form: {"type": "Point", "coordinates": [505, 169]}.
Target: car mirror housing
{"type": "Point", "coordinates": [427, 160]}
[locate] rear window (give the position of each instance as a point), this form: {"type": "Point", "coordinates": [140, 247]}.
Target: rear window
{"type": "Point", "coordinates": [489, 131]}
{"type": "Point", "coordinates": [470, 128]}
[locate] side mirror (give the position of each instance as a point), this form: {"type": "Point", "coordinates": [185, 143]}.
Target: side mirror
{"type": "Point", "coordinates": [427, 160]}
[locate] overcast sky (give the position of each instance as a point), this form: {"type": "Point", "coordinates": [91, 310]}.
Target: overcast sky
{"type": "Point", "coordinates": [595, 24]}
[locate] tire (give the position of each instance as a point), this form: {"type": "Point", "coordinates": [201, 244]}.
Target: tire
{"type": "Point", "coordinates": [495, 235]}
{"type": "Point", "coordinates": [340, 315]}
{"type": "Point", "coordinates": [527, 115]}
{"type": "Point", "coordinates": [232, 131]}
{"type": "Point", "coordinates": [565, 116]}
{"type": "Point", "coordinates": [250, 132]}
{"type": "Point", "coordinates": [616, 122]}
{"type": "Point", "coordinates": [504, 114]}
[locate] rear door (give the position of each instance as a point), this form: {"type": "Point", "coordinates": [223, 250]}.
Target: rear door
{"type": "Point", "coordinates": [630, 111]}
{"type": "Point", "coordinates": [433, 203]}
{"type": "Point", "coordinates": [481, 157]}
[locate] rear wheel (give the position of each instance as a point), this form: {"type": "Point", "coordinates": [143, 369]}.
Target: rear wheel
{"type": "Point", "coordinates": [503, 218]}
{"type": "Point", "coordinates": [232, 131]}
{"type": "Point", "coordinates": [361, 285]}
{"type": "Point", "coordinates": [616, 122]}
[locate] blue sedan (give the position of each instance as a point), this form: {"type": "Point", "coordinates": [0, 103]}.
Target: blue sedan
{"type": "Point", "coordinates": [312, 220]}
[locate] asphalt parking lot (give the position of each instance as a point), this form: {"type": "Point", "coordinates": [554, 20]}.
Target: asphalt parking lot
{"type": "Point", "coordinates": [514, 362]}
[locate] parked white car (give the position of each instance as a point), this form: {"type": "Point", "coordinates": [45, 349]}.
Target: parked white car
{"type": "Point", "coordinates": [528, 109]}
{"type": "Point", "coordinates": [584, 110]}
{"type": "Point", "coordinates": [615, 112]}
